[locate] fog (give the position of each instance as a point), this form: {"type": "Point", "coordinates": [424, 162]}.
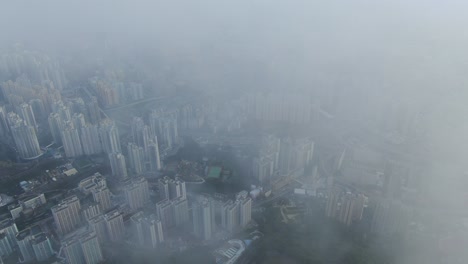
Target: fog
{"type": "Point", "coordinates": [372, 70]}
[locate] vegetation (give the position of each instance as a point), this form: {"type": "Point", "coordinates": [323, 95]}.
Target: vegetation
{"type": "Point", "coordinates": [314, 239]}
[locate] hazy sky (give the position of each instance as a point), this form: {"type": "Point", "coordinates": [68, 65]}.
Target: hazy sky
{"type": "Point", "coordinates": [412, 51]}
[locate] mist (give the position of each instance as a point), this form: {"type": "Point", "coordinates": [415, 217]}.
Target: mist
{"type": "Point", "coordinates": [364, 98]}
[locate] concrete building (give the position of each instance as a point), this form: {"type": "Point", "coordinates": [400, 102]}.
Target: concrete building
{"type": "Point", "coordinates": [92, 253]}
{"type": "Point", "coordinates": [118, 165]}
{"type": "Point", "coordinates": [95, 181]}
{"type": "Point", "coordinates": [165, 212]}
{"type": "Point", "coordinates": [137, 228]}
{"type": "Point", "coordinates": [141, 133]}
{"type": "Point", "coordinates": [245, 209]}
{"type": "Point", "coordinates": [90, 210]}
{"type": "Point", "coordinates": [181, 212]}
{"type": "Point", "coordinates": [5, 246]}
{"type": "Point", "coordinates": [28, 202]}
{"type": "Point", "coordinates": [62, 110]}
{"type": "Point", "coordinates": [136, 158]}
{"type": "Point", "coordinates": [93, 111]}
{"type": "Point", "coordinates": [99, 226]}
{"type": "Point", "coordinates": [266, 163]}
{"type": "Point", "coordinates": [110, 137]}
{"type": "Point", "coordinates": [344, 206]}
{"type": "Point", "coordinates": [390, 217]}
{"type": "Point", "coordinates": [230, 216]}
{"type": "Point", "coordinates": [67, 215]}
{"type": "Point", "coordinates": [90, 139]}
{"type": "Point", "coordinates": [25, 139]}
{"type": "Point", "coordinates": [171, 189]}
{"type": "Point", "coordinates": [147, 230]}
{"type": "Point", "coordinates": [154, 158]}
{"type": "Point", "coordinates": [71, 141]}
{"type": "Point", "coordinates": [137, 193]}
{"type": "Point", "coordinates": [4, 128]}
{"type": "Point", "coordinates": [163, 186]}
{"type": "Point", "coordinates": [55, 126]}
{"type": "Point", "coordinates": [8, 227]}
{"type": "Point", "coordinates": [164, 126]}
{"type": "Point", "coordinates": [263, 169]}
{"type": "Point", "coordinates": [26, 112]}
{"type": "Point", "coordinates": [82, 248]}
{"type": "Point", "coordinates": [203, 219]}
{"type": "Point", "coordinates": [72, 251]}
{"type": "Point", "coordinates": [38, 108]}
{"type": "Point", "coordinates": [153, 231]}
{"type": "Point", "coordinates": [102, 195]}
{"type": "Point", "coordinates": [295, 154]}
{"type": "Point", "coordinates": [23, 239]}
{"type": "Point", "coordinates": [78, 120]}
{"type": "Point", "coordinates": [42, 247]}
{"type": "Point", "coordinates": [115, 226]}
{"type": "Point", "coordinates": [177, 189]}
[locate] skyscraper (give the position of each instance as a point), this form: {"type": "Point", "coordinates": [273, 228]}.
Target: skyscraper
{"type": "Point", "coordinates": [38, 108]}
{"type": "Point", "coordinates": [73, 251]}
{"type": "Point", "coordinates": [93, 110]}
{"type": "Point", "coordinates": [163, 186]}
{"type": "Point", "coordinates": [5, 246]}
{"type": "Point", "coordinates": [23, 239]}
{"type": "Point", "coordinates": [82, 248]}
{"type": "Point", "coordinates": [165, 212]}
{"type": "Point", "coordinates": [203, 219]}
{"type": "Point", "coordinates": [90, 139]}
{"type": "Point", "coordinates": [8, 227]}
{"type": "Point", "coordinates": [90, 210]}
{"type": "Point", "coordinates": [245, 208]}
{"type": "Point", "coordinates": [177, 188]}
{"type": "Point", "coordinates": [101, 195]}
{"type": "Point", "coordinates": [153, 231]}
{"type": "Point", "coordinates": [171, 189]}
{"type": "Point", "coordinates": [344, 206]}
{"type": "Point", "coordinates": [295, 154]}
{"type": "Point", "coordinates": [137, 228]}
{"type": "Point", "coordinates": [42, 247]}
{"type": "Point", "coordinates": [24, 137]}
{"type": "Point", "coordinates": [71, 141]}
{"type": "Point", "coordinates": [55, 126]}
{"type": "Point", "coordinates": [99, 226]}
{"type": "Point", "coordinates": [230, 215]}
{"type": "Point", "coordinates": [164, 126]}
{"type": "Point", "coordinates": [154, 158]}
{"type": "Point", "coordinates": [91, 183]}
{"type": "Point", "coordinates": [147, 230]}
{"type": "Point", "coordinates": [263, 168]}
{"type": "Point", "coordinates": [390, 217]}
{"type": "Point", "coordinates": [62, 110]}
{"type": "Point", "coordinates": [118, 165]}
{"type": "Point", "coordinates": [78, 120]}
{"type": "Point", "coordinates": [27, 115]}
{"type": "Point", "coordinates": [137, 193]}
{"type": "Point", "coordinates": [140, 133]}
{"type": "Point", "coordinates": [92, 253]}
{"type": "Point", "coordinates": [136, 157]}
{"type": "Point", "coordinates": [181, 212]}
{"type": "Point", "coordinates": [67, 215]}
{"type": "Point", "coordinates": [110, 137]}
{"type": "Point", "coordinates": [3, 121]}
{"type": "Point", "coordinates": [331, 208]}
{"type": "Point", "coordinates": [115, 226]}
